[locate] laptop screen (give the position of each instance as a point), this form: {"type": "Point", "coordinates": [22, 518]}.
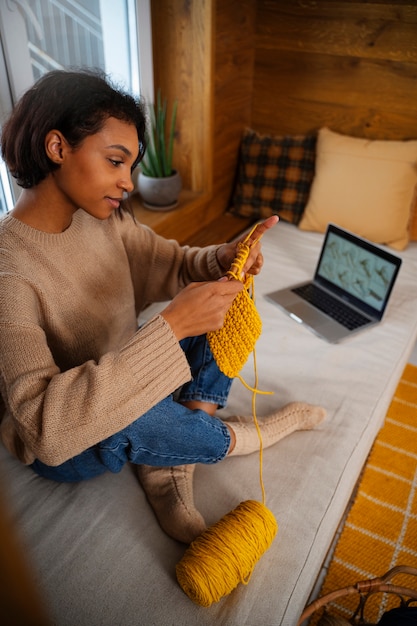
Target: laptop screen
{"type": "Point", "coordinates": [357, 268]}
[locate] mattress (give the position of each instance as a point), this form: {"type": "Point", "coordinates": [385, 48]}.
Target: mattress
{"type": "Point", "coordinates": [95, 548]}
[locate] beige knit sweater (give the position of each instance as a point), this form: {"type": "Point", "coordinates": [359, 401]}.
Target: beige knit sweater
{"type": "Point", "coordinates": [74, 368]}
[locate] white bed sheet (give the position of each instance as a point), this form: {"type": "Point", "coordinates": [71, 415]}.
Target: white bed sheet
{"type": "Point", "coordinates": [98, 554]}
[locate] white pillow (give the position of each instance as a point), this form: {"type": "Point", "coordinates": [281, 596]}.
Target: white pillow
{"type": "Point", "coordinates": [364, 186]}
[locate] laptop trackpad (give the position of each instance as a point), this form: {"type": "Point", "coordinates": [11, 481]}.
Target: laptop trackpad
{"type": "Point", "coordinates": [308, 314]}
{"type": "Point", "coordinates": [317, 321]}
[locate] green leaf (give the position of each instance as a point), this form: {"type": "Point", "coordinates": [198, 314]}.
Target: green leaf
{"type": "Point", "coordinates": [157, 161]}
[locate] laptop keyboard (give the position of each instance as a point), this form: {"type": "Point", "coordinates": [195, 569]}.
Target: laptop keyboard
{"type": "Point", "coordinates": [349, 318]}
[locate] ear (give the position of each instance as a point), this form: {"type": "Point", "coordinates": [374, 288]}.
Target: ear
{"type": "Point", "coordinates": [55, 146]}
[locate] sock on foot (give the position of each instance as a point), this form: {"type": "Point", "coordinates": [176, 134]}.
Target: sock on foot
{"type": "Point", "coordinates": [170, 493]}
{"type": "Point", "coordinates": [292, 417]}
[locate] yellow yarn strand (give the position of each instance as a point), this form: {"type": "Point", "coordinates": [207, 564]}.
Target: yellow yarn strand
{"type": "Point", "coordinates": [226, 553]}
{"type": "Point", "coordinates": [232, 344]}
{"type": "Point", "coordinates": [258, 430]}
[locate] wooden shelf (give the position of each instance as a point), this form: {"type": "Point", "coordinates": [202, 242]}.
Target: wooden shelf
{"type": "Point", "coordinates": [179, 223]}
{"type": "Point", "coordinates": [186, 222]}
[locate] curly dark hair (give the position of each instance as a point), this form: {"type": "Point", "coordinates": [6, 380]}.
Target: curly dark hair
{"type": "Point", "coordinates": [77, 103]}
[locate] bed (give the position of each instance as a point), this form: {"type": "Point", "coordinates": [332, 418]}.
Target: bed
{"type": "Point", "coordinates": [95, 548]}
{"type": "Point", "coordinates": [100, 557]}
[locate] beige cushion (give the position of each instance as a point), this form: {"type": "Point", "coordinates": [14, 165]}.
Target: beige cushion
{"type": "Point", "coordinates": [364, 186]}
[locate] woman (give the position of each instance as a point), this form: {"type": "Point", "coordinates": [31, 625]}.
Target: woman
{"type": "Point", "coordinates": [84, 389]}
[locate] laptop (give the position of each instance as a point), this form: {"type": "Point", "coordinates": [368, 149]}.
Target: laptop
{"type": "Point", "coordinates": [350, 290]}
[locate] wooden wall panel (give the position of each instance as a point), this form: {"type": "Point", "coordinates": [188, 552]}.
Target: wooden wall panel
{"type": "Point", "coordinates": [346, 28]}
{"type": "Point", "coordinates": [204, 56]}
{"type": "Point", "coordinates": [182, 51]}
{"type": "Point", "coordinates": [364, 97]}
{"type": "Point", "coordinates": [349, 65]}
{"type": "Point", "coordinates": [280, 66]}
{"type": "Point", "coordinates": [233, 83]}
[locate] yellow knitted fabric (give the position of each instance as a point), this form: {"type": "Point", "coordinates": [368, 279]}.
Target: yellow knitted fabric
{"type": "Point", "coordinates": [232, 344]}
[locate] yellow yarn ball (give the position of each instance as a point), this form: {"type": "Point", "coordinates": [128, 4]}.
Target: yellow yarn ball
{"type": "Point", "coordinates": [226, 553]}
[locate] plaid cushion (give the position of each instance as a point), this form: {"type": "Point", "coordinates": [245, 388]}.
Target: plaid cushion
{"type": "Point", "coordinates": [274, 176]}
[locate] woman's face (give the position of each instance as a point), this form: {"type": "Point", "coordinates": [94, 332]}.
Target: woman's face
{"type": "Point", "coordinates": [95, 175]}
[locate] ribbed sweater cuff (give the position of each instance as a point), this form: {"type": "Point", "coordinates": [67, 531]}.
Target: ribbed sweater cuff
{"type": "Point", "coordinates": [155, 349]}
{"type": "Point", "coordinates": [214, 266]}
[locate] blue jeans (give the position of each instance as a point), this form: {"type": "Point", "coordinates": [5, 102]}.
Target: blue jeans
{"type": "Point", "coordinates": [168, 434]}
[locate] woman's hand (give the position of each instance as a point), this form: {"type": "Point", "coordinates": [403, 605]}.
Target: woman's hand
{"type": "Point", "coordinates": [227, 252]}
{"type": "Point", "coordinates": [201, 307]}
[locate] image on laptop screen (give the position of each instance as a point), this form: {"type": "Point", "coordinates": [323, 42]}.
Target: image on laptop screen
{"type": "Point", "coordinates": [357, 270]}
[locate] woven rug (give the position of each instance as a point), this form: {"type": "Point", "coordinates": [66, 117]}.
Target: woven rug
{"type": "Point", "coordinates": [380, 530]}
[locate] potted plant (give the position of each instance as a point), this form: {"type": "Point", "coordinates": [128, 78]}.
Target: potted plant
{"type": "Point", "coordinates": [158, 183]}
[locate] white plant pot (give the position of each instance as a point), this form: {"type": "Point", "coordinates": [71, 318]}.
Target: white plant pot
{"type": "Point", "coordinates": [159, 194]}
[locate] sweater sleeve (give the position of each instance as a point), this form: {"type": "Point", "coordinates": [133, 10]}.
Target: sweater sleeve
{"type": "Point", "coordinates": [53, 415]}
{"type": "Point", "coordinates": [170, 267]}
{"type": "Point", "coordinates": [74, 368]}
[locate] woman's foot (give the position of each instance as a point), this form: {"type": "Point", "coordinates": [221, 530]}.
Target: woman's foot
{"type": "Point", "coordinates": [170, 493]}
{"type": "Point", "coordinates": [292, 417]}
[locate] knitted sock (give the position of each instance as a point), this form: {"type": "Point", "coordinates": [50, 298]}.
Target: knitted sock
{"type": "Point", "coordinates": [170, 493]}
{"type": "Point", "coordinates": [274, 427]}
